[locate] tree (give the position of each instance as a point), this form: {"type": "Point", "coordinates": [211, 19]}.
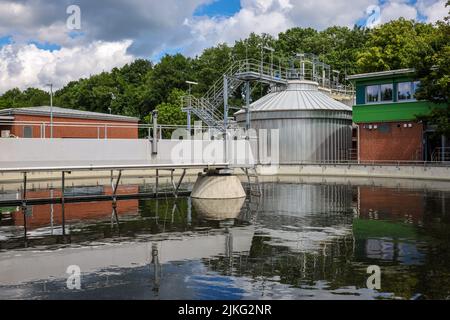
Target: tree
{"type": "Point", "coordinates": [395, 45]}
{"type": "Point", "coordinates": [171, 72]}
{"type": "Point", "coordinates": [170, 112]}
{"type": "Point", "coordinates": [210, 66]}
{"type": "Point", "coordinates": [434, 72]}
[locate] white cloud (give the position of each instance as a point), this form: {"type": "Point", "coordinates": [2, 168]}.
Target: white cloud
{"type": "Point", "coordinates": [259, 16]}
{"type": "Point", "coordinates": [272, 17]}
{"type": "Point", "coordinates": [395, 9]}
{"type": "Point", "coordinates": [28, 66]}
{"type": "Point", "coordinates": [433, 10]}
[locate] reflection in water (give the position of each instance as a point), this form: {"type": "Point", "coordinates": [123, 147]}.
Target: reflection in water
{"type": "Point", "coordinates": [298, 241]}
{"type": "Point", "coordinates": [218, 209]}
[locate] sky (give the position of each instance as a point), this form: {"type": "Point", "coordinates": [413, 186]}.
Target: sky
{"type": "Point", "coordinates": [47, 41]}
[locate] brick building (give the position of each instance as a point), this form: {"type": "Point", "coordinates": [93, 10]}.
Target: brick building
{"type": "Point", "coordinates": [34, 122]}
{"type": "Point", "coordinates": [385, 113]}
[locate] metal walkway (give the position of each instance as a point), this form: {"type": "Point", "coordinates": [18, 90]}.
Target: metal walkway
{"type": "Point", "coordinates": [213, 107]}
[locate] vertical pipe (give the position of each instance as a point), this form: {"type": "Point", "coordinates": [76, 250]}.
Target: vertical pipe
{"type": "Point", "coordinates": [189, 210]}
{"type": "Point", "coordinates": [225, 101]}
{"type": "Point", "coordinates": [358, 144]}
{"type": "Point", "coordinates": [225, 115]}
{"type": "Point", "coordinates": [189, 123]}
{"type": "Point", "coordinates": [156, 183]}
{"type": "Point", "coordinates": [323, 76]}
{"type": "Point", "coordinates": [51, 110]}
{"type": "Point", "coordinates": [63, 204]}
{"type": "Point", "coordinates": [24, 205]}
{"type": "Point", "coordinates": [155, 132]}
{"type": "Point", "coordinates": [247, 104]}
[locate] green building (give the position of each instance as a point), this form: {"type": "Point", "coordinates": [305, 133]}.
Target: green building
{"type": "Point", "coordinates": [385, 114]}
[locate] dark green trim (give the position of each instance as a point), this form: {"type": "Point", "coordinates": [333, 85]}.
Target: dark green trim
{"type": "Point", "coordinates": [362, 84]}
{"type": "Point", "coordinates": [397, 111]}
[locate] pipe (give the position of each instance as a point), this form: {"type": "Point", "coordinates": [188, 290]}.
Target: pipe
{"type": "Point", "coordinates": [155, 132]}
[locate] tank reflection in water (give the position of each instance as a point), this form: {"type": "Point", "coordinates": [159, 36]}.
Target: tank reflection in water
{"type": "Point", "coordinates": [296, 241]}
{"type": "Point", "coordinates": [218, 209]}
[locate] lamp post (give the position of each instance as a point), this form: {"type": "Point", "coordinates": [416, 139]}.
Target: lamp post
{"type": "Point", "coordinates": [271, 50]}
{"type": "Point", "coordinates": [190, 84]}
{"type": "Point", "coordinates": [51, 109]}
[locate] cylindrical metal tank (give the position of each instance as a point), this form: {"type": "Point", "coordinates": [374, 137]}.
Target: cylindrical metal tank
{"type": "Point", "coordinates": [312, 126]}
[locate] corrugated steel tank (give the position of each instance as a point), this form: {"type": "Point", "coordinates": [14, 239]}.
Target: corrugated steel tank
{"type": "Point", "coordinates": [312, 126]}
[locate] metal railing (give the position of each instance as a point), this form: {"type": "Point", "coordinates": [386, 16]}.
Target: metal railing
{"type": "Point", "coordinates": [441, 154]}
{"type": "Point", "coordinates": [275, 74]}
{"type": "Point", "coordinates": [96, 130]}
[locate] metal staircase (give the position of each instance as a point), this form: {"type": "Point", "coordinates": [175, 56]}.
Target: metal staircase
{"type": "Point", "coordinates": [210, 107]}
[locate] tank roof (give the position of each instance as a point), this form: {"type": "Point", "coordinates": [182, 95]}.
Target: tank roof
{"type": "Point", "coordinates": [298, 95]}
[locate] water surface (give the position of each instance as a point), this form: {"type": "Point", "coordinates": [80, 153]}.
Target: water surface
{"type": "Point", "coordinates": [299, 240]}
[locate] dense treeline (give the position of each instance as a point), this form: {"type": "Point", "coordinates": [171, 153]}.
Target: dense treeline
{"type": "Point", "coordinates": [138, 88]}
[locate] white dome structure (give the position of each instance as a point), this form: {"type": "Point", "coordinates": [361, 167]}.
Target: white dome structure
{"type": "Point", "coordinates": [312, 125]}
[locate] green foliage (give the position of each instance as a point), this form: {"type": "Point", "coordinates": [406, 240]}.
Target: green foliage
{"type": "Point", "coordinates": [434, 71]}
{"type": "Point", "coordinates": [30, 97]}
{"type": "Point", "coordinates": [170, 112]}
{"type": "Point", "coordinates": [395, 45]}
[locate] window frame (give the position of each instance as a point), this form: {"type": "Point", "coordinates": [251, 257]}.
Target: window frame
{"type": "Point", "coordinates": [26, 128]}
{"type": "Point", "coordinates": [366, 95]}
{"type": "Point", "coordinates": [379, 101]}
{"type": "Point", "coordinates": [411, 86]}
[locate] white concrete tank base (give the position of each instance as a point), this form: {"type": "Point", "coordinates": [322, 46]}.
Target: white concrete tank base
{"type": "Point", "coordinates": [218, 187]}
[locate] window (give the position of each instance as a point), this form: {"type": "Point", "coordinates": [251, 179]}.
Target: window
{"type": "Point", "coordinates": [378, 93]}
{"type": "Point", "coordinates": [404, 91]}
{"type": "Point", "coordinates": [386, 92]}
{"type": "Point", "coordinates": [372, 93]}
{"type": "Point", "coordinates": [415, 87]}
{"type": "Point", "coordinates": [27, 132]}
{"type": "Point", "coordinates": [407, 90]}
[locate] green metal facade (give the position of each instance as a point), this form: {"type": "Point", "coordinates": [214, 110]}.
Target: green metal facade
{"type": "Point", "coordinates": [391, 111]}
{"type": "Point", "coordinates": [396, 111]}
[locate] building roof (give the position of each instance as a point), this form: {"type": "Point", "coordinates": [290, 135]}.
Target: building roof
{"type": "Point", "coordinates": [66, 113]}
{"type": "Point", "coordinates": [6, 118]}
{"type": "Point", "coordinates": [381, 74]}
{"type": "Point", "coordinates": [299, 95]}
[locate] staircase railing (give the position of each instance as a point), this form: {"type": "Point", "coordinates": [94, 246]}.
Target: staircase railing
{"type": "Point", "coordinates": [207, 107]}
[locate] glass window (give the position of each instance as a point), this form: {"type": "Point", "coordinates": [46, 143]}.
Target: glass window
{"type": "Point", "coordinates": [415, 86]}
{"type": "Point", "coordinates": [386, 92]}
{"type": "Point", "coordinates": [27, 132]}
{"type": "Point", "coordinates": [404, 91]}
{"type": "Point", "coordinates": [372, 93]}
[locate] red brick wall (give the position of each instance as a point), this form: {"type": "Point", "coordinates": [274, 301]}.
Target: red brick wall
{"type": "Point", "coordinates": [391, 141]}
{"type": "Point", "coordinates": [63, 131]}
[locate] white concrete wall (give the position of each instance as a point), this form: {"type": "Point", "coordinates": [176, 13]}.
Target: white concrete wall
{"type": "Point", "coordinates": [31, 153]}
{"type": "Point", "coordinates": [369, 171]}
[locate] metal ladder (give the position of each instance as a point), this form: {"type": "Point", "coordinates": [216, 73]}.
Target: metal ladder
{"type": "Point", "coordinates": [254, 187]}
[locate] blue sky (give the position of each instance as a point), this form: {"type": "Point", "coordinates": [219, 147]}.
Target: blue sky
{"type": "Point", "coordinates": [5, 40]}
{"type": "Point", "coordinates": [219, 8]}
